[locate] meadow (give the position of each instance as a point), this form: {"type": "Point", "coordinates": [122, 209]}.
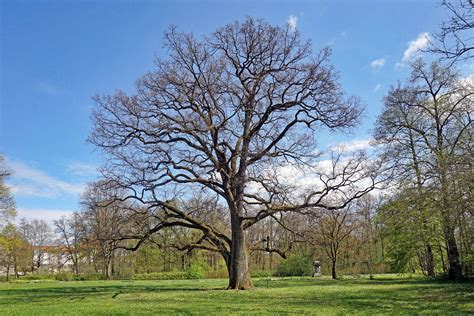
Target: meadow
{"type": "Point", "coordinates": [385, 294]}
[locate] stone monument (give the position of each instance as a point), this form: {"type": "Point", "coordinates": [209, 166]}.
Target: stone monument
{"type": "Point", "coordinates": [316, 268]}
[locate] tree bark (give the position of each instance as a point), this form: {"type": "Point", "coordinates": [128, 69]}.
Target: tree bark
{"type": "Point", "coordinates": [430, 265]}
{"type": "Point", "coordinates": [239, 275]}
{"type": "Point", "coordinates": [333, 270]}
{"type": "Point", "coordinates": [76, 267]}
{"type": "Point", "coordinates": [454, 270]}
{"type": "Point", "coordinates": [442, 258]}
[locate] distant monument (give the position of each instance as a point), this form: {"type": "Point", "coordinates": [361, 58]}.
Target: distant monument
{"type": "Point", "coordinates": [316, 269]}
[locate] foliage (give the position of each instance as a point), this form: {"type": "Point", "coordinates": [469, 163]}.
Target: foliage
{"type": "Point", "coordinates": [179, 275]}
{"type": "Point", "coordinates": [196, 270]}
{"type": "Point", "coordinates": [406, 229]}
{"type": "Point", "coordinates": [221, 273]}
{"type": "Point", "coordinates": [295, 265]}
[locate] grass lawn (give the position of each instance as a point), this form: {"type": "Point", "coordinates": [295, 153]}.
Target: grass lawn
{"type": "Point", "coordinates": [383, 295]}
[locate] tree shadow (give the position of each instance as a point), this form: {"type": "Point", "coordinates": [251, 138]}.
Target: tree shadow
{"type": "Point", "coordinates": [81, 292]}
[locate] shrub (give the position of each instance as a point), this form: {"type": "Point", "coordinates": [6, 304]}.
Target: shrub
{"type": "Point", "coordinates": [36, 277]}
{"type": "Point", "coordinates": [196, 271]}
{"type": "Point", "coordinates": [217, 274]}
{"type": "Point", "coordinates": [162, 276]}
{"type": "Point", "coordinates": [91, 277]}
{"type": "Point", "coordinates": [295, 265]}
{"type": "Point", "coordinates": [66, 276]}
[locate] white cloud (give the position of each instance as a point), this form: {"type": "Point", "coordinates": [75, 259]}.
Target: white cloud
{"type": "Point", "coordinates": [352, 145]}
{"type": "Point", "coordinates": [82, 169]}
{"type": "Point", "coordinates": [292, 22]}
{"type": "Point", "coordinates": [400, 65]}
{"type": "Point", "coordinates": [30, 181]}
{"type": "Point", "coordinates": [378, 63]}
{"type": "Point", "coordinates": [377, 87]}
{"type": "Point", "coordinates": [414, 47]}
{"type": "Point", "coordinates": [42, 213]}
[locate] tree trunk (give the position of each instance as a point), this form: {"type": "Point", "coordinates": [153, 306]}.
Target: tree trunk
{"type": "Point", "coordinates": [239, 276]}
{"type": "Point", "coordinates": [421, 262]}
{"type": "Point", "coordinates": [430, 265]}
{"type": "Point", "coordinates": [333, 270]}
{"type": "Point", "coordinates": [112, 264]}
{"type": "Point", "coordinates": [76, 267]}
{"type": "Point", "coordinates": [442, 258]}
{"type": "Point", "coordinates": [454, 270]}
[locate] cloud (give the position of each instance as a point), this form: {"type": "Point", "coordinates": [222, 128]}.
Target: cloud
{"type": "Point", "coordinates": [414, 47]}
{"type": "Point", "coordinates": [30, 181]}
{"type": "Point", "coordinates": [42, 213]}
{"type": "Point", "coordinates": [82, 169]}
{"type": "Point", "coordinates": [352, 145]}
{"type": "Point", "coordinates": [377, 87]}
{"type": "Point", "coordinates": [336, 39]}
{"type": "Point", "coordinates": [400, 65]}
{"type": "Point", "coordinates": [378, 63]}
{"type": "Point", "coordinates": [292, 22]}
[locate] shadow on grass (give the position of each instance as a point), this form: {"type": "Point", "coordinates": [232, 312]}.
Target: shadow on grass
{"type": "Point", "coordinates": [356, 282]}
{"type": "Point", "coordinates": [12, 296]}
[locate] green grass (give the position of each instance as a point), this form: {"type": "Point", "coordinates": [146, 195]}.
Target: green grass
{"type": "Point", "coordinates": [383, 295]}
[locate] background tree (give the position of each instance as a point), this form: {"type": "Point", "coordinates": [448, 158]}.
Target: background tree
{"type": "Point", "coordinates": [426, 127]}
{"type": "Point", "coordinates": [14, 254]}
{"type": "Point", "coordinates": [411, 234]}
{"type": "Point", "coordinates": [332, 229]}
{"type": "Point", "coordinates": [101, 221]}
{"type": "Point", "coordinates": [216, 116]}
{"type": "Point", "coordinates": [7, 204]}
{"type": "Point", "coordinates": [70, 238]}
{"type": "Point", "coordinates": [38, 235]}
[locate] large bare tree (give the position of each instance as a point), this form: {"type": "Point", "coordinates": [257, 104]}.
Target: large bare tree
{"type": "Point", "coordinates": [223, 115]}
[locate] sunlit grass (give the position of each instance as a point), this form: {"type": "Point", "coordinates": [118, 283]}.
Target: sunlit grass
{"type": "Point", "coordinates": [383, 295]}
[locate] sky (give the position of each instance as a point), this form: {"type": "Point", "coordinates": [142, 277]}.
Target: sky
{"type": "Point", "coordinates": [56, 55]}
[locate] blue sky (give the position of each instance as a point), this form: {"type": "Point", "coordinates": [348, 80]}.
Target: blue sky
{"type": "Point", "coordinates": [55, 55]}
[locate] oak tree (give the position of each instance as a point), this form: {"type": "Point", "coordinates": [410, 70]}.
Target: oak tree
{"type": "Point", "coordinates": [222, 115]}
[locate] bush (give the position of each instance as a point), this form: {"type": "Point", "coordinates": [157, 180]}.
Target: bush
{"type": "Point", "coordinates": [69, 276]}
{"type": "Point", "coordinates": [66, 276]}
{"type": "Point", "coordinates": [217, 274]}
{"type": "Point", "coordinates": [196, 271]}
{"type": "Point", "coordinates": [35, 277]}
{"type": "Point", "coordinates": [162, 276]}
{"type": "Point", "coordinates": [296, 265]}
{"type": "Point", "coordinates": [91, 277]}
